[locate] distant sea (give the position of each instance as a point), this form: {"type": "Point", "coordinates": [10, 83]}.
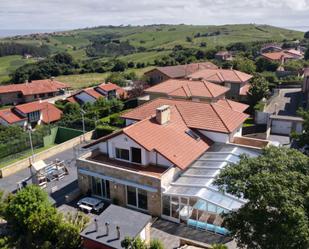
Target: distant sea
{"type": "Point", "coordinates": [14, 32]}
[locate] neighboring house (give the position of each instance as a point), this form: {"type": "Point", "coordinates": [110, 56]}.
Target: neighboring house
{"type": "Point", "coordinates": [224, 56]}
{"type": "Point", "coordinates": [115, 224]}
{"type": "Point", "coordinates": [284, 56]}
{"type": "Point", "coordinates": [161, 74]}
{"type": "Point", "coordinates": [188, 89]}
{"type": "Point", "coordinates": [164, 162]}
{"type": "Point", "coordinates": [92, 94]}
{"type": "Point", "coordinates": [31, 91]}
{"type": "Point", "coordinates": [280, 112]}
{"type": "Point", "coordinates": [236, 81]}
{"type": "Point", "coordinates": [34, 113]}
{"type": "Point", "coordinates": [110, 90]}
{"type": "Point", "coordinates": [269, 48]}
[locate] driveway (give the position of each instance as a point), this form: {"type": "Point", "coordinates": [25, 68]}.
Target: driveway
{"type": "Point", "coordinates": [57, 189]}
{"type": "Point", "coordinates": [286, 103]}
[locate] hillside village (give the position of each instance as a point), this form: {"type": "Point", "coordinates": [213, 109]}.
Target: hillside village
{"type": "Point", "coordinates": [150, 158]}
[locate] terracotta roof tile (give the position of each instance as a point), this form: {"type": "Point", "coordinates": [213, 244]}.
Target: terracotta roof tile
{"type": "Point", "coordinates": [236, 106]}
{"type": "Point", "coordinates": [111, 86]}
{"type": "Point", "coordinates": [93, 93]}
{"type": "Point", "coordinates": [50, 113]}
{"type": "Point", "coordinates": [170, 140]}
{"type": "Point", "coordinates": [199, 115]}
{"type": "Point", "coordinates": [244, 90]}
{"type": "Point", "coordinates": [277, 56]}
{"type": "Point", "coordinates": [34, 87]}
{"type": "Point", "coordinates": [188, 88]}
{"type": "Point", "coordinates": [10, 117]}
{"type": "Point", "coordinates": [221, 75]}
{"type": "Point", "coordinates": [181, 71]}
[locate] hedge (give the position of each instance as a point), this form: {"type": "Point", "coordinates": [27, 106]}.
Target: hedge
{"type": "Point", "coordinates": [103, 130]}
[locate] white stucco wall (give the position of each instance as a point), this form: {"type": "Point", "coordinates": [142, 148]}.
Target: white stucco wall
{"type": "Point", "coordinates": [216, 136]}
{"type": "Point", "coordinates": [123, 142]}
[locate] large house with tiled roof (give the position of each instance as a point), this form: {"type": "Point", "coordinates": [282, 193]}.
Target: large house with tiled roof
{"type": "Point", "coordinates": [164, 161]}
{"type": "Point", "coordinates": [188, 89]}
{"type": "Point", "coordinates": [31, 91]}
{"type": "Point", "coordinates": [284, 55]}
{"type": "Point", "coordinates": [33, 113]}
{"type": "Point", "coordinates": [161, 74]}
{"type": "Point", "coordinates": [92, 94]}
{"type": "Point", "coordinates": [236, 81]}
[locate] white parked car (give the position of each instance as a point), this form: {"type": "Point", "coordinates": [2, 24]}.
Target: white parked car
{"type": "Point", "coordinates": [90, 204]}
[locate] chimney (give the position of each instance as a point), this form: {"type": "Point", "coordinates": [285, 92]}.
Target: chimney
{"type": "Point", "coordinates": [107, 228]}
{"type": "Point", "coordinates": [95, 225]}
{"type": "Point", "coordinates": [52, 79]}
{"type": "Point", "coordinates": [118, 232]}
{"type": "Point", "coordinates": [163, 114]}
{"type": "Point", "coordinates": [26, 81]}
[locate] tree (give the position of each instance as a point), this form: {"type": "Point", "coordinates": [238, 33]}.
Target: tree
{"type": "Point", "coordinates": [276, 187]}
{"type": "Point", "coordinates": [258, 90]}
{"type": "Point", "coordinates": [307, 54]}
{"type": "Point", "coordinates": [303, 139]}
{"type": "Point", "coordinates": [306, 35]}
{"type": "Point", "coordinates": [35, 223]}
{"type": "Point", "coordinates": [119, 66]}
{"type": "Point", "coordinates": [244, 65]}
{"type": "Point", "coordinates": [263, 64]}
{"type": "Point", "coordinates": [132, 243]}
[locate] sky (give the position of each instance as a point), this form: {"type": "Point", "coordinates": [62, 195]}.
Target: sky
{"type": "Point", "coordinates": [70, 14]}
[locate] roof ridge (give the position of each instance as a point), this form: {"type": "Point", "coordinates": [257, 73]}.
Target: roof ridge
{"type": "Point", "coordinates": [236, 72]}
{"type": "Point", "coordinates": [188, 90]}
{"type": "Point", "coordinates": [207, 87]}
{"type": "Point", "coordinates": [213, 107]}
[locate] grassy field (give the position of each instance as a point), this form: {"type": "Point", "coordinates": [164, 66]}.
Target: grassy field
{"type": "Point", "coordinates": [9, 63]}
{"type": "Point", "coordinates": [90, 79]}
{"type": "Point", "coordinates": [151, 38]}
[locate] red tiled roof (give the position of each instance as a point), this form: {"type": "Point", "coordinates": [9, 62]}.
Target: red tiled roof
{"type": "Point", "coordinates": [221, 75]}
{"type": "Point", "coordinates": [236, 106]}
{"type": "Point", "coordinates": [50, 113]}
{"type": "Point", "coordinates": [111, 86]}
{"type": "Point", "coordinates": [72, 99]}
{"type": "Point", "coordinates": [34, 87]}
{"type": "Point", "coordinates": [10, 117]}
{"type": "Point", "coordinates": [181, 71]}
{"type": "Point", "coordinates": [170, 140]}
{"type": "Point", "coordinates": [277, 56]}
{"type": "Point", "coordinates": [188, 88]}
{"type": "Point", "coordinates": [93, 93]}
{"type": "Point", "coordinates": [198, 115]}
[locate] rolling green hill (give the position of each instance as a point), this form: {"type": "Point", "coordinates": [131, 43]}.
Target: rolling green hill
{"type": "Point", "coordinates": [151, 42]}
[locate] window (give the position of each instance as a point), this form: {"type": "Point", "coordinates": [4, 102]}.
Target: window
{"type": "Point", "coordinates": [41, 95]}
{"type": "Point", "coordinates": [136, 155]}
{"type": "Point", "coordinates": [137, 198]}
{"type": "Point", "coordinates": [100, 187]}
{"type": "Point", "coordinates": [50, 94]}
{"type": "Point", "coordinates": [131, 196]}
{"type": "Point", "coordinates": [123, 154]}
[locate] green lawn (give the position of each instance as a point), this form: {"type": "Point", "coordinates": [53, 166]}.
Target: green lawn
{"type": "Point", "coordinates": [79, 81]}
{"type": "Point", "coordinates": [9, 63]}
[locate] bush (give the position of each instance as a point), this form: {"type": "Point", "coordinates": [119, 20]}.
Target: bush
{"type": "Point", "coordinates": [156, 244]}
{"type": "Point", "coordinates": [104, 130]}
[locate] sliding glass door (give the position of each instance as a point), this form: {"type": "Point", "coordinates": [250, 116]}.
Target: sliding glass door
{"type": "Point", "coordinates": [137, 198]}
{"type": "Point", "coordinates": [100, 187]}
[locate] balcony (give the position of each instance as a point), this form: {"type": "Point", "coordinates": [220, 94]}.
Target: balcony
{"type": "Point", "coordinates": [149, 170]}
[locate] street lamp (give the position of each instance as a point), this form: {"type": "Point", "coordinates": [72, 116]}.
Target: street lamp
{"type": "Point", "coordinates": [82, 112]}
{"type": "Point", "coordinates": [29, 128]}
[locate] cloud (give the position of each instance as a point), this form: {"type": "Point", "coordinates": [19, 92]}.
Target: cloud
{"type": "Point", "coordinates": [66, 14]}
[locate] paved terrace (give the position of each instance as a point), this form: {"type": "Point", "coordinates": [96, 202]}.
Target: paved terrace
{"type": "Point", "coordinates": [57, 189]}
